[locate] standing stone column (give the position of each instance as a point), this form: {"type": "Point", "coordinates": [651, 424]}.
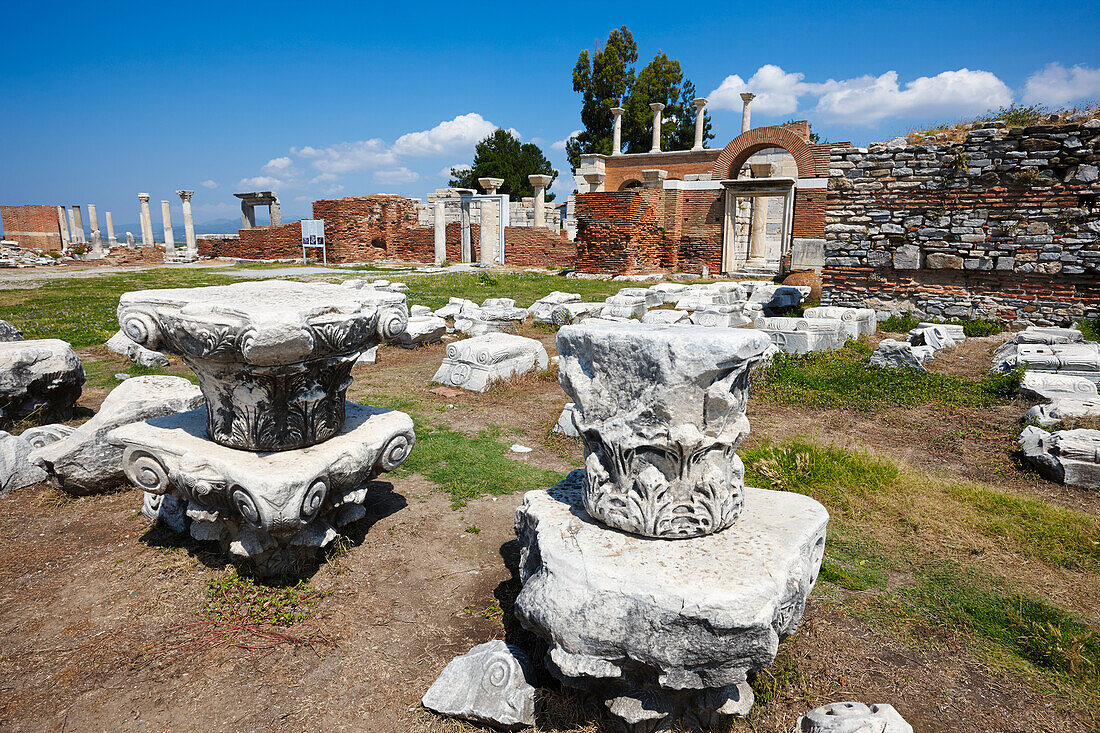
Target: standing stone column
{"type": "Point", "coordinates": [275, 213]}
{"type": "Point", "coordinates": [656, 107]}
{"type": "Point", "coordinates": [467, 254]}
{"type": "Point", "coordinates": [169, 239]}
{"type": "Point", "coordinates": [111, 230]}
{"type": "Point", "coordinates": [78, 228]}
{"type": "Point", "coordinates": [617, 133]}
{"type": "Point", "coordinates": [540, 183]}
{"type": "Point", "coordinates": [654, 178]}
{"type": "Point", "coordinates": [93, 219]}
{"type": "Point", "coordinates": [72, 226]}
{"type": "Point", "coordinates": [700, 103]}
{"type": "Point", "coordinates": [758, 233]}
{"type": "Point", "coordinates": [188, 224]}
{"type": "Point", "coordinates": [746, 98]}
{"type": "Point", "coordinates": [440, 222]}
{"type": "Point", "coordinates": [63, 225]}
{"type": "Point", "coordinates": [490, 231]}
{"type": "Point", "coordinates": [248, 215]}
{"type": "Point", "coordinates": [146, 221]}
{"type": "Point", "coordinates": [97, 245]}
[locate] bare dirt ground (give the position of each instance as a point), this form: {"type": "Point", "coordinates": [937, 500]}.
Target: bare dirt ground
{"type": "Point", "coordinates": [98, 609]}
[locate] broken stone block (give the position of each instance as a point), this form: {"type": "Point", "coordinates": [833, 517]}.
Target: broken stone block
{"type": "Point", "coordinates": [954, 330]}
{"type": "Point", "coordinates": [542, 309]}
{"type": "Point", "coordinates": [85, 462]}
{"type": "Point", "coordinates": [835, 328]}
{"type": "Point", "coordinates": [665, 631]}
{"type": "Point", "coordinates": [942, 261]}
{"type": "Point", "coordinates": [120, 343]}
{"type": "Point", "coordinates": [575, 312]}
{"type": "Point", "coordinates": [421, 330]}
{"type": "Point", "coordinates": [416, 311]}
{"type": "Point", "coordinates": [1042, 386]}
{"type": "Point", "coordinates": [273, 358]}
{"type": "Point", "coordinates": [661, 410]}
{"type": "Point", "coordinates": [1047, 335]}
{"type": "Point", "coordinates": [43, 378]}
{"type": "Point", "coordinates": [271, 509]}
{"type": "Point", "coordinates": [16, 468]}
{"type": "Point", "coordinates": [853, 717]}
{"type": "Point", "coordinates": [891, 354]}
{"type": "Point", "coordinates": [668, 291]}
{"type": "Point", "coordinates": [857, 321]}
{"type": "Point", "coordinates": [476, 363]}
{"type": "Point", "coordinates": [9, 332]}
{"type": "Point", "coordinates": [936, 337]}
{"type": "Point", "coordinates": [455, 306]}
{"type": "Point", "coordinates": [666, 316]}
{"type": "Point", "coordinates": [567, 422]}
{"type": "Point", "coordinates": [43, 435]}
{"type": "Point", "coordinates": [1079, 360]}
{"type": "Point", "coordinates": [1070, 457]}
{"type": "Point", "coordinates": [1062, 408]}
{"type": "Point", "coordinates": [652, 299]}
{"type": "Point", "coordinates": [801, 342]}
{"type": "Point", "coordinates": [624, 306]}
{"type": "Point", "coordinates": [773, 297]}
{"type": "Point", "coordinates": [492, 683]}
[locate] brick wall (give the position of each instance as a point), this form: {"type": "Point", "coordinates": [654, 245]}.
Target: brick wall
{"type": "Point", "coordinates": [270, 243]}
{"type": "Point", "coordinates": [219, 245]}
{"type": "Point", "coordinates": [530, 247]}
{"type": "Point", "coordinates": [34, 226]}
{"type": "Point", "coordinates": [1005, 224]}
{"type": "Point", "coordinates": [619, 231]}
{"type": "Point", "coordinates": [620, 169]}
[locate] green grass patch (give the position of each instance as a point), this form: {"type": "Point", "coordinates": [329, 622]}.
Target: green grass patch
{"type": "Point", "coordinates": [1059, 537]}
{"type": "Point", "coordinates": [524, 287]}
{"type": "Point", "coordinates": [1048, 637]}
{"type": "Point", "coordinates": [1090, 328]}
{"type": "Point", "coordinates": [976, 327]}
{"type": "Point", "coordinates": [843, 379]}
{"type": "Point", "coordinates": [899, 324]}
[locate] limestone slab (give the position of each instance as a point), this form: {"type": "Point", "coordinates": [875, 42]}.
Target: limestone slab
{"type": "Point", "coordinates": [666, 316]}
{"type": "Point", "coordinates": [271, 509]}
{"type": "Point", "coordinates": [476, 363]}
{"type": "Point", "coordinates": [1064, 408]}
{"type": "Point", "coordinates": [492, 683]}
{"type": "Point", "coordinates": [85, 462]}
{"type": "Point", "coordinates": [122, 344]}
{"type": "Point", "coordinates": [858, 321]}
{"type": "Point", "coordinates": [665, 631]}
{"type": "Point", "coordinates": [801, 342]}
{"type": "Point", "coordinates": [41, 377]}
{"type": "Point", "coordinates": [661, 410]}
{"type": "Point", "coordinates": [893, 354]}
{"type": "Point", "coordinates": [16, 468]}
{"type": "Point", "coordinates": [1044, 386]}
{"type": "Point", "coordinates": [1080, 360]}
{"type": "Point", "coordinates": [421, 330]}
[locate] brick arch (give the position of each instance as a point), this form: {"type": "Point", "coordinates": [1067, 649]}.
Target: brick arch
{"type": "Point", "coordinates": [630, 183]}
{"type": "Point", "coordinates": [734, 155]}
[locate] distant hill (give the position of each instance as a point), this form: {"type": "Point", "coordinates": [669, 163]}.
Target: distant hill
{"type": "Point", "coordinates": [214, 226]}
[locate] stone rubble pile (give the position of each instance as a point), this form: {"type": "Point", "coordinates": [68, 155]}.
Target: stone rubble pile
{"type": "Point", "coordinates": [719, 572]}
{"type": "Point", "coordinates": [1070, 457]}
{"type": "Point", "coordinates": [276, 459]}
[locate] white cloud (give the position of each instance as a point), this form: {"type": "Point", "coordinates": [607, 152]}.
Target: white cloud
{"type": "Point", "coordinates": [278, 164]}
{"type": "Point", "coordinates": [445, 172]}
{"type": "Point", "coordinates": [209, 184]}
{"type": "Point", "coordinates": [866, 99]}
{"type": "Point", "coordinates": [261, 183]}
{"type": "Point", "coordinates": [560, 144]}
{"type": "Point", "coordinates": [776, 91]}
{"type": "Point", "coordinates": [1056, 85]}
{"type": "Point", "coordinates": [449, 137]}
{"type": "Point", "coordinates": [396, 176]}
{"type": "Point", "coordinates": [350, 156]}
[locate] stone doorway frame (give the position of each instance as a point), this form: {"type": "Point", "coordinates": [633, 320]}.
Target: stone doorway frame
{"type": "Point", "coordinates": [738, 188]}
{"type": "Point", "coordinates": [503, 218]}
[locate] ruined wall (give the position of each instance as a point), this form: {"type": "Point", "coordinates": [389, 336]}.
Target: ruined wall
{"type": "Point", "coordinates": [621, 169]}
{"type": "Point", "coordinates": [1003, 225]}
{"type": "Point", "coordinates": [269, 243]}
{"type": "Point", "coordinates": [34, 226]}
{"type": "Point", "coordinates": [619, 231]}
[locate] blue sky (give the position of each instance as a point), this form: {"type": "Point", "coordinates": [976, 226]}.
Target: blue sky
{"type": "Point", "coordinates": [320, 100]}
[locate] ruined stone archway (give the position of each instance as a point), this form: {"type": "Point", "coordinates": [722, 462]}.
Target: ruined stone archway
{"type": "Point", "coordinates": [734, 155]}
{"type": "Point", "coordinates": [630, 183]}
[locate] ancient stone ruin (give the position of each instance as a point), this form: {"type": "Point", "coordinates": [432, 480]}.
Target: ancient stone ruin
{"type": "Point", "coordinates": [276, 458]}
{"type": "Point", "coordinates": [659, 526]}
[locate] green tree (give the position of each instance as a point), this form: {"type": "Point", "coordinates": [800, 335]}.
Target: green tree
{"type": "Point", "coordinates": [607, 78]}
{"type": "Point", "coordinates": [604, 79]}
{"type": "Point", "coordinates": [501, 155]}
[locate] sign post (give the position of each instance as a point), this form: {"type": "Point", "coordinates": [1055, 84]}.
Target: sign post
{"type": "Point", "coordinates": [313, 237]}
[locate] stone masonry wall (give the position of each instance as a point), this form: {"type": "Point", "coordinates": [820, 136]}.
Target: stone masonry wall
{"type": "Point", "coordinates": [617, 232]}
{"type": "Point", "coordinates": [1004, 225]}
{"type": "Point", "coordinates": [34, 226]}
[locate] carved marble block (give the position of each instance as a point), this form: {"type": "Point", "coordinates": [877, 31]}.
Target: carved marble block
{"type": "Point", "coordinates": [853, 717]}
{"type": "Point", "coordinates": [543, 308]}
{"type": "Point", "coordinates": [624, 306]}
{"type": "Point", "coordinates": [661, 410]}
{"type": "Point", "coordinates": [892, 354]}
{"type": "Point", "coordinates": [666, 316]}
{"type": "Point", "coordinates": [1062, 409]}
{"type": "Point", "coordinates": [936, 337]}
{"type": "Point", "coordinates": [665, 632]}
{"type": "Point", "coordinates": [41, 377]}
{"type": "Point", "coordinates": [273, 358]}
{"type": "Point", "coordinates": [575, 312]}
{"type": "Point", "coordinates": [476, 363]}
{"type": "Point", "coordinates": [836, 328]}
{"type": "Point", "coordinates": [491, 683]}
{"type": "Point", "coordinates": [1047, 335]}
{"type": "Point", "coordinates": [652, 299]}
{"type": "Point", "coordinates": [273, 509]}
{"type": "Point", "coordinates": [1070, 457]}
{"type": "Point", "coordinates": [1080, 360]}
{"type": "Point", "coordinates": [1043, 386]}
{"type": "Point", "coordinates": [801, 342]}
{"type": "Point", "coordinates": [858, 321]}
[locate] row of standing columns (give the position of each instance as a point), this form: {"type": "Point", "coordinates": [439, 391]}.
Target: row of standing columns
{"type": "Point", "coordinates": [166, 216]}
{"type": "Point", "coordinates": [71, 225]}
{"type": "Point", "coordinates": [490, 218]}
{"type": "Point", "coordinates": [658, 109]}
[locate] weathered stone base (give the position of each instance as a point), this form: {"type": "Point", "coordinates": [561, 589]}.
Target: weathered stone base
{"type": "Point", "coordinates": [665, 631]}
{"type": "Point", "coordinates": [270, 510]}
